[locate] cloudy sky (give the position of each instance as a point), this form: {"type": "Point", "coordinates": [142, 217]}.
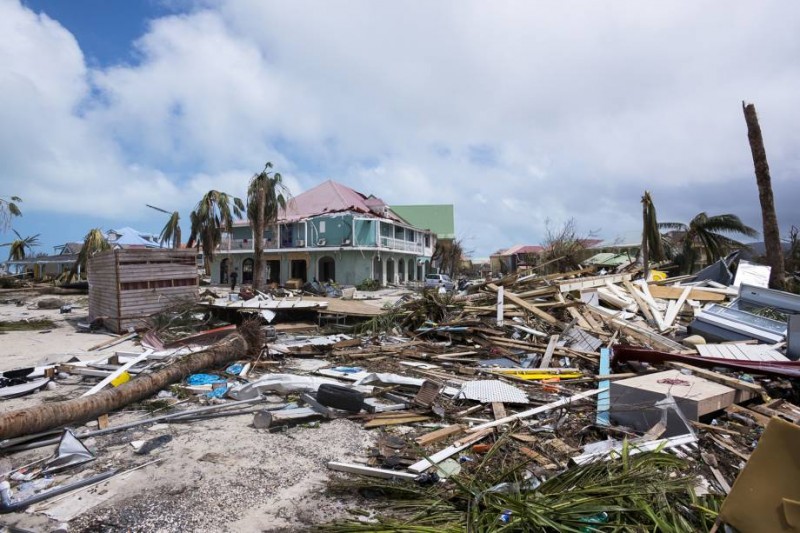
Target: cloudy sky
{"type": "Point", "coordinates": [515, 112]}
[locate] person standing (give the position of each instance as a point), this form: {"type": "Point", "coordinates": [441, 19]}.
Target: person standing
{"type": "Point", "coordinates": [234, 276]}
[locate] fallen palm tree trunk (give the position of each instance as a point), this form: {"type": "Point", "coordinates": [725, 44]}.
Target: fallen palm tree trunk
{"type": "Point", "coordinates": [52, 415]}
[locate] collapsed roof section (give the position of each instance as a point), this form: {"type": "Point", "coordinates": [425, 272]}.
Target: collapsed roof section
{"type": "Point", "coordinates": [333, 197]}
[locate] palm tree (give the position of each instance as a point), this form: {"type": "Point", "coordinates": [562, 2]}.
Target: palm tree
{"type": "Point", "coordinates": [769, 220]}
{"type": "Point", "coordinates": [705, 233]}
{"type": "Point", "coordinates": [172, 230]}
{"type": "Point", "coordinates": [652, 245]}
{"type": "Point", "coordinates": [9, 209]}
{"type": "Point", "coordinates": [94, 242]}
{"type": "Point", "coordinates": [19, 247]}
{"type": "Point", "coordinates": [266, 196]}
{"type": "Point", "coordinates": [213, 214]}
{"type": "Point", "coordinates": [448, 254]}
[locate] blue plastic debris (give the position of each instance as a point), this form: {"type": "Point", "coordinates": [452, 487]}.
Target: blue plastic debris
{"type": "Point", "coordinates": [348, 369]}
{"type": "Point", "coordinates": [203, 379]}
{"type": "Point", "coordinates": [219, 392]}
{"type": "Point", "coordinates": [235, 369]}
{"type": "Point", "coordinates": [505, 516]}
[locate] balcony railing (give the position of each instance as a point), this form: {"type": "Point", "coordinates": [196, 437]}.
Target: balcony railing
{"type": "Point", "coordinates": [401, 244]}
{"type": "Point", "coordinates": [245, 244]}
{"type": "Point", "coordinates": [385, 242]}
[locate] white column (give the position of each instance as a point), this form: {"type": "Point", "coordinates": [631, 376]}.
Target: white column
{"type": "Point", "coordinates": [383, 270]}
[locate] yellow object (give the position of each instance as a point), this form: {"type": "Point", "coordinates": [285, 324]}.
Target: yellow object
{"type": "Point", "coordinates": [657, 275]}
{"type": "Point", "coordinates": [538, 373]}
{"type": "Point", "coordinates": [122, 378]}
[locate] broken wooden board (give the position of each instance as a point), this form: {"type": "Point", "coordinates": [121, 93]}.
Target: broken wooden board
{"type": "Point", "coordinates": [457, 446]}
{"type": "Point", "coordinates": [550, 319]}
{"type": "Point", "coordinates": [745, 390]}
{"type": "Point", "coordinates": [391, 421]}
{"type": "Point", "coordinates": [439, 435]}
{"type": "Point", "coordinates": [741, 352]}
{"type": "Point", "coordinates": [759, 419]}
{"type": "Point", "coordinates": [548, 354]}
{"type": "Point", "coordinates": [591, 282]}
{"type": "Point", "coordinates": [674, 293]}
{"type": "Point", "coordinates": [370, 471]}
{"type": "Point", "coordinates": [538, 458]}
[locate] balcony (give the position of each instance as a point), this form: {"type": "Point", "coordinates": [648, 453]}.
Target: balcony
{"type": "Point", "coordinates": [401, 244]}
{"type": "Point", "coordinates": [245, 244]}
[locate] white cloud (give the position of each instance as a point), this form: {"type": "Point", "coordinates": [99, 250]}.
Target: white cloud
{"type": "Point", "coordinates": [516, 112]}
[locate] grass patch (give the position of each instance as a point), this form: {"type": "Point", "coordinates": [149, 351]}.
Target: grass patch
{"type": "Point", "coordinates": [27, 325]}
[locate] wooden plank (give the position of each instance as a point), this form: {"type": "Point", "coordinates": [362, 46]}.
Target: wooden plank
{"type": "Point", "coordinates": [499, 410]}
{"type": "Point", "coordinates": [378, 422]}
{"type": "Point", "coordinates": [115, 374]}
{"type": "Point", "coordinates": [112, 342]}
{"type": "Point", "coordinates": [759, 419]}
{"type": "Point", "coordinates": [710, 375]}
{"type": "Point", "coordinates": [527, 306]}
{"type": "Point", "coordinates": [370, 471]}
{"type": "Point", "coordinates": [744, 456]}
{"type": "Point", "coordinates": [540, 459]}
{"type": "Point", "coordinates": [589, 283]}
{"type": "Point", "coordinates": [542, 409]}
{"type": "Point", "coordinates": [457, 446]}
{"type": "Point", "coordinates": [548, 354]}
{"type": "Point", "coordinates": [672, 314]}
{"type": "Point", "coordinates": [439, 435]}
{"type": "Point", "coordinates": [674, 293]}
{"type": "Point", "coordinates": [643, 306]}
{"type": "Point", "coordinates": [654, 310]}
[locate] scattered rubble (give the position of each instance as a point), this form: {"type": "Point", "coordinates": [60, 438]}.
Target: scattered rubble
{"type": "Point", "coordinates": [569, 401]}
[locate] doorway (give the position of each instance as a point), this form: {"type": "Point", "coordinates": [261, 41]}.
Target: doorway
{"type": "Point", "coordinates": [273, 271]}
{"type": "Point", "coordinates": [297, 268]}
{"type": "Point", "coordinates": [326, 269]}
{"type": "Point", "coordinates": [223, 271]}
{"type": "Point", "coordinates": [247, 271]}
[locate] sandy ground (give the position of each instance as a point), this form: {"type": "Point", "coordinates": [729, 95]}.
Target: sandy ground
{"type": "Point", "coordinates": [213, 475]}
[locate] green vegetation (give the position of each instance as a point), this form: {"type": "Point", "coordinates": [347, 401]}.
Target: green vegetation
{"type": "Point", "coordinates": [369, 285]}
{"type": "Point", "coordinates": [27, 325]}
{"type": "Point", "coordinates": [650, 491]}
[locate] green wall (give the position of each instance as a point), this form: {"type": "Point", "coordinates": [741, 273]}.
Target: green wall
{"type": "Point", "coordinates": [332, 230]}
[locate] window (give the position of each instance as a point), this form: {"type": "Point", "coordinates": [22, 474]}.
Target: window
{"type": "Point", "coordinates": [322, 227]}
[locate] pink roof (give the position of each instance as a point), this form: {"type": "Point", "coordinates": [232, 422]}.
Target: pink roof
{"type": "Point", "coordinates": [522, 249]}
{"type": "Point", "coordinates": [332, 197]}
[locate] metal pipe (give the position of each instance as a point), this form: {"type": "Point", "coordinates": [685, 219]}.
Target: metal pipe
{"type": "Point", "coordinates": [9, 506]}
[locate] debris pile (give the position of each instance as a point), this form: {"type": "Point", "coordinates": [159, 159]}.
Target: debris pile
{"type": "Point", "coordinates": [569, 401]}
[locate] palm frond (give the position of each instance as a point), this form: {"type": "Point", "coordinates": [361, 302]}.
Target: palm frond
{"type": "Point", "coordinates": [172, 230]}
{"type": "Point", "coordinates": [650, 491]}
{"type": "Point", "coordinates": [213, 214]}
{"type": "Point", "coordinates": [8, 210]}
{"type": "Point", "coordinates": [729, 223]}
{"type": "Point", "coordinates": [94, 242]}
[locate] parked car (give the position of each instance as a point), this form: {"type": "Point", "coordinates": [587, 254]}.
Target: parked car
{"type": "Point", "coordinates": [434, 281]}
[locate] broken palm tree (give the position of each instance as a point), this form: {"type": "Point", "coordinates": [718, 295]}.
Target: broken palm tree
{"type": "Point", "coordinates": [52, 415]}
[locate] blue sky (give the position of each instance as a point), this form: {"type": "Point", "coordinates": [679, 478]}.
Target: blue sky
{"type": "Point", "coordinates": [521, 114]}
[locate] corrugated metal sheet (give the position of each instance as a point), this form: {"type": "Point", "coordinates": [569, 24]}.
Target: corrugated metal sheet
{"type": "Point", "coordinates": [492, 390]}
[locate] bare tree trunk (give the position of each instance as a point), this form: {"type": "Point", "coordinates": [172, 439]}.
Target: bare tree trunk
{"type": "Point", "coordinates": [258, 241]}
{"type": "Point", "coordinates": [772, 239]}
{"type": "Point", "coordinates": [52, 415]}
{"type": "Point", "coordinates": [645, 256]}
